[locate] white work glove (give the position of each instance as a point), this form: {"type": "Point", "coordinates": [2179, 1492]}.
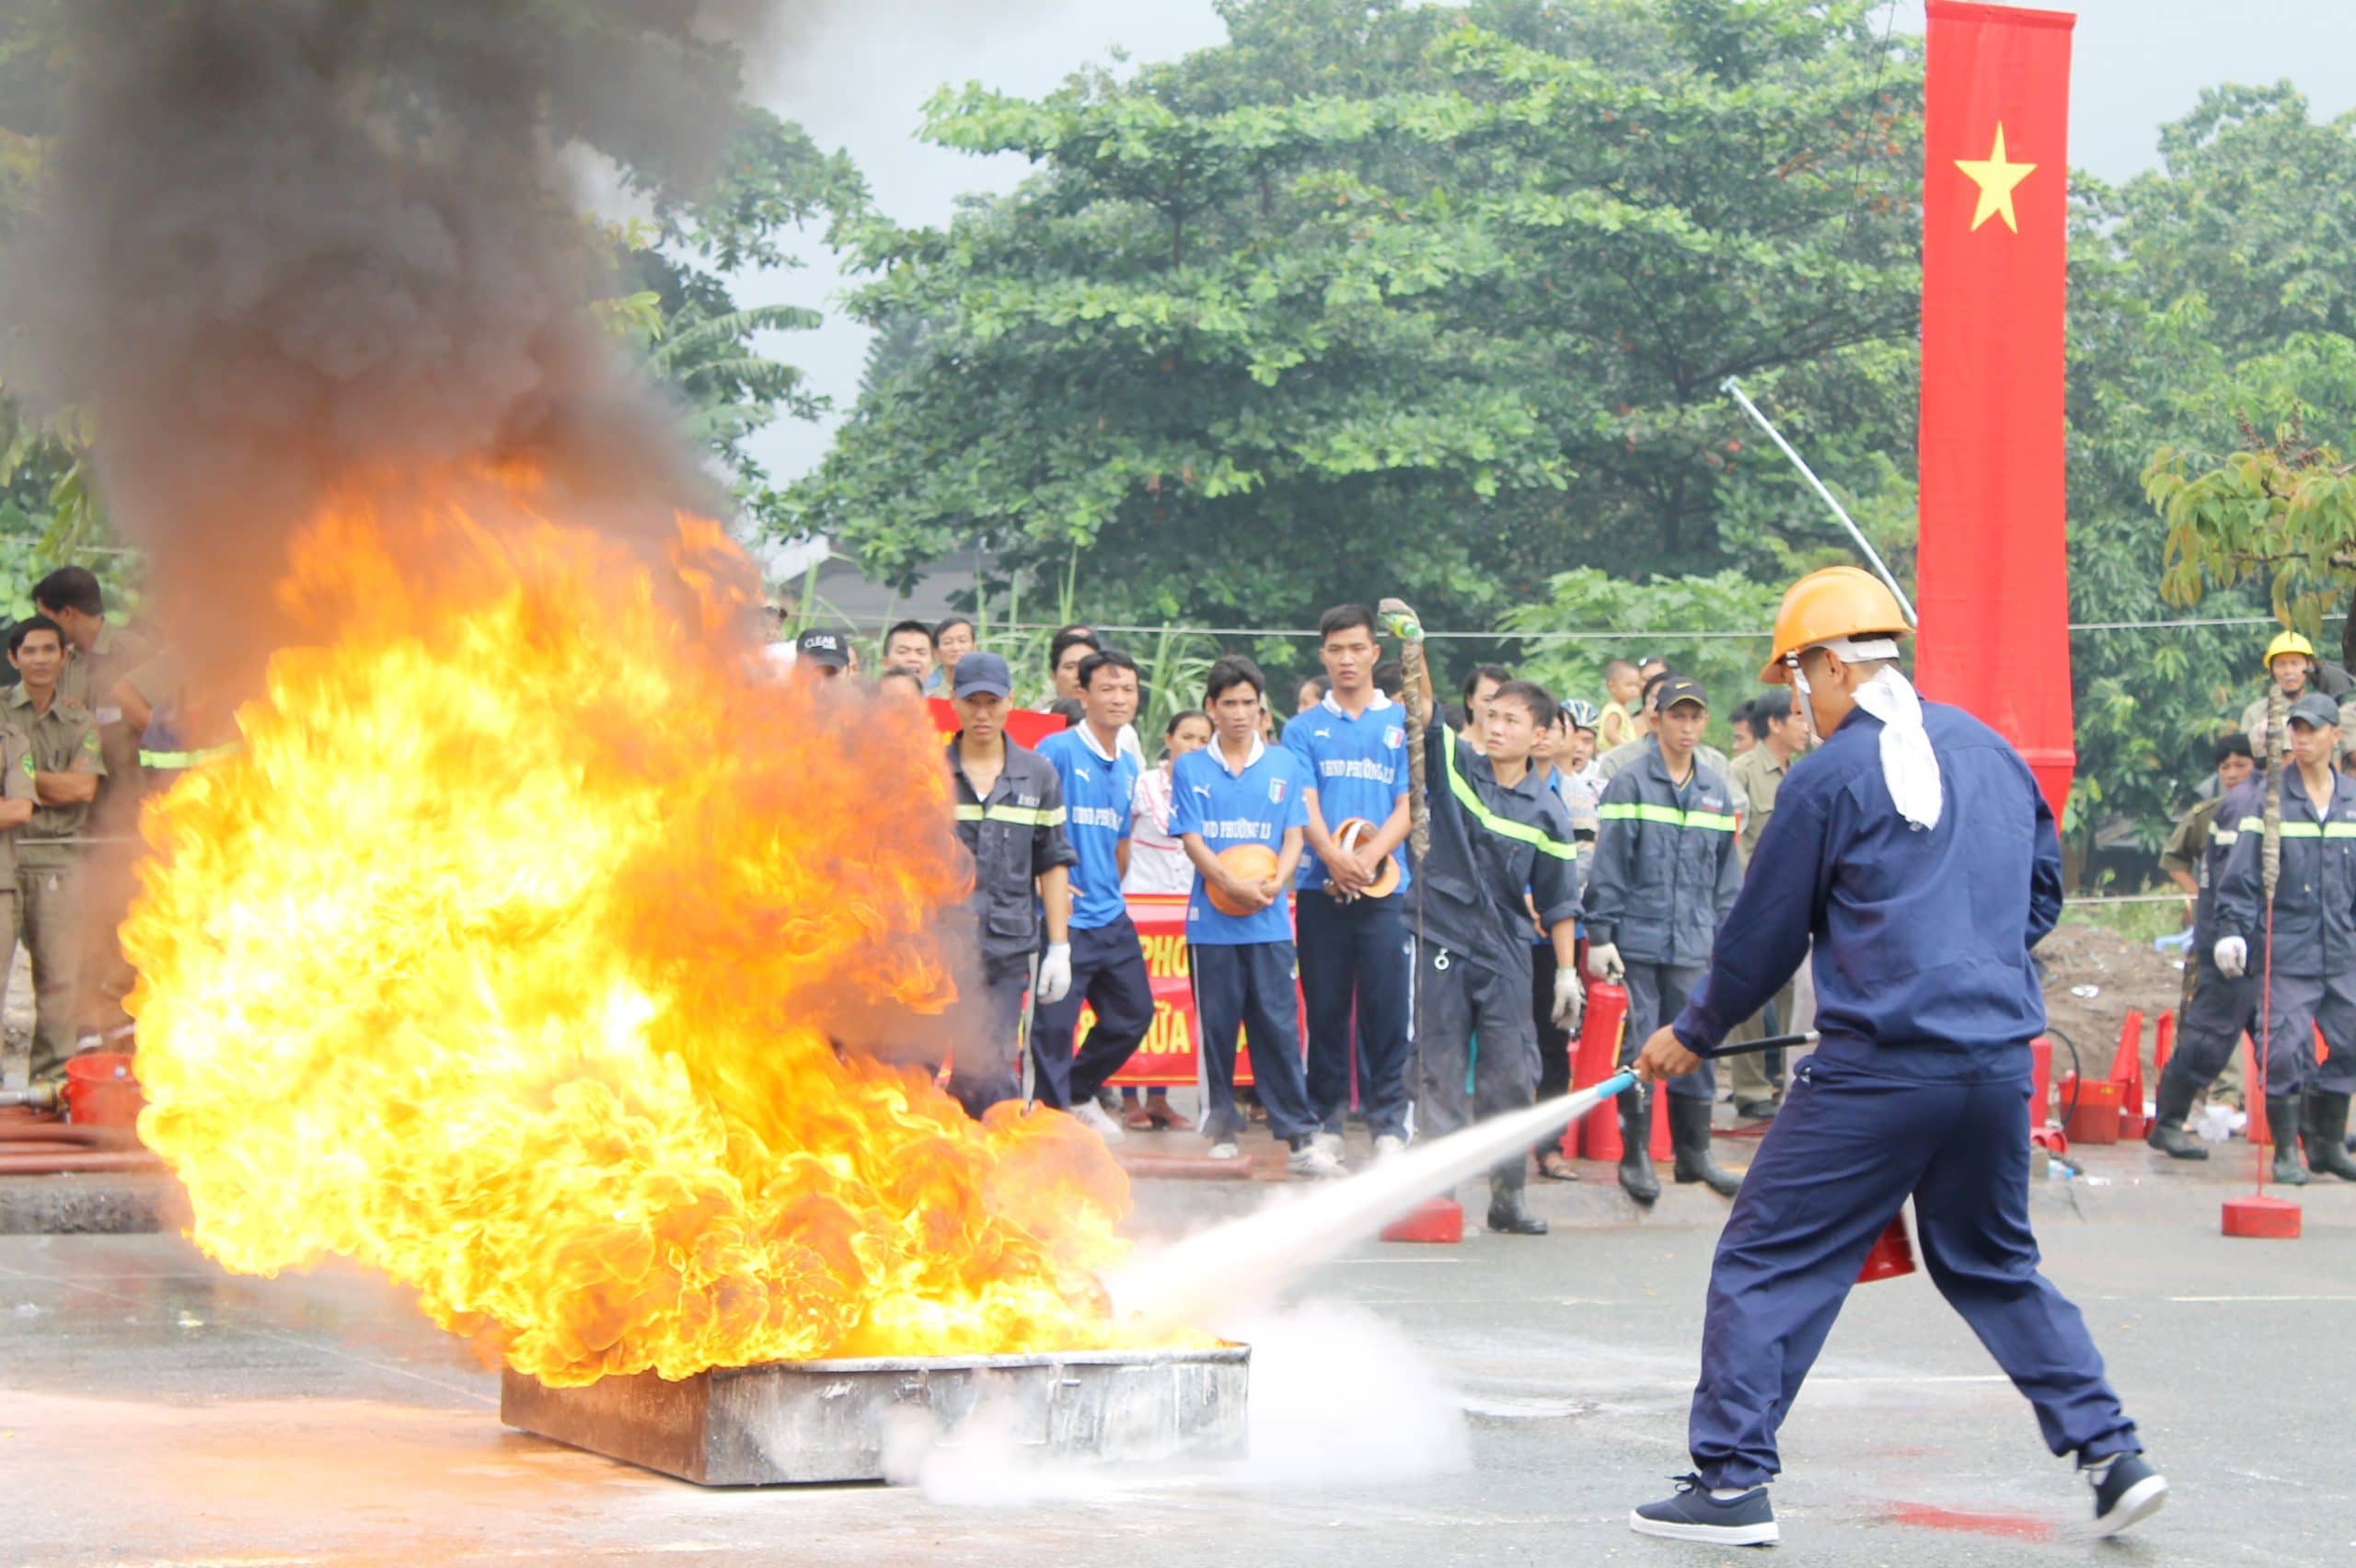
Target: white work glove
{"type": "Point", "coordinates": [1603, 961]}
{"type": "Point", "coordinates": [1570, 999]}
{"type": "Point", "coordinates": [1055, 974]}
{"type": "Point", "coordinates": [2232, 957]}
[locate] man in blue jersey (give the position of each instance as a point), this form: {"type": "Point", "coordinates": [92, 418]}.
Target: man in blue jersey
{"type": "Point", "coordinates": [1353, 960]}
{"type": "Point", "coordinates": [1233, 792]}
{"type": "Point", "coordinates": [1914, 849]}
{"type": "Point", "coordinates": [1108, 969]}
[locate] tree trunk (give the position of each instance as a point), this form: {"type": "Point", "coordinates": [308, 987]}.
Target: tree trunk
{"type": "Point", "coordinates": [2348, 636]}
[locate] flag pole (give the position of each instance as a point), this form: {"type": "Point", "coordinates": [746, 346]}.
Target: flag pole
{"type": "Point", "coordinates": [1733, 389]}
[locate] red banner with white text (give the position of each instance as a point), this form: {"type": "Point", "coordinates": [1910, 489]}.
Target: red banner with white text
{"type": "Point", "coordinates": [1991, 572]}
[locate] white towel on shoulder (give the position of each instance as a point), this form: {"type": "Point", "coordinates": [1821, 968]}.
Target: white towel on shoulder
{"type": "Point", "coordinates": [1909, 765]}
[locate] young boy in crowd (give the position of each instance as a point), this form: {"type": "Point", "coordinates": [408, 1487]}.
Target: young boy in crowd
{"type": "Point", "coordinates": [1237, 791]}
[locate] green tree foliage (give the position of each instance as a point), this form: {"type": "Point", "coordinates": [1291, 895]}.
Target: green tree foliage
{"type": "Point", "coordinates": [1441, 294]}
{"type": "Point", "coordinates": [1698, 624]}
{"type": "Point", "coordinates": [2198, 298]}
{"type": "Point", "coordinates": [774, 184]}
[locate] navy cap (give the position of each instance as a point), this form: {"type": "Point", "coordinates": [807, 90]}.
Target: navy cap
{"type": "Point", "coordinates": [2313, 708]}
{"type": "Point", "coordinates": [982, 675]}
{"type": "Point", "coordinates": [830, 649]}
{"type": "Point", "coordinates": [1680, 689]}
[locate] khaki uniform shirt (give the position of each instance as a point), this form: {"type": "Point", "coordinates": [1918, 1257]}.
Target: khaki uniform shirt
{"type": "Point", "coordinates": [1754, 778]}
{"type": "Point", "coordinates": [2254, 724]}
{"type": "Point", "coordinates": [2189, 843]}
{"type": "Point", "coordinates": [89, 679]}
{"type": "Point", "coordinates": [64, 740]}
{"type": "Point", "coordinates": [16, 784]}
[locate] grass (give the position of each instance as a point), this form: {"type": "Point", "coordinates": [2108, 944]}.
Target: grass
{"type": "Point", "coordinates": [2139, 923]}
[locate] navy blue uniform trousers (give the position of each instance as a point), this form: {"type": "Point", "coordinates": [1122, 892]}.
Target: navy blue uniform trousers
{"type": "Point", "coordinates": [1249, 986]}
{"type": "Point", "coordinates": [2219, 1014]}
{"type": "Point", "coordinates": [1847, 1151]}
{"type": "Point", "coordinates": [988, 1022]}
{"type": "Point", "coordinates": [1108, 974]}
{"type": "Point", "coordinates": [1354, 961]}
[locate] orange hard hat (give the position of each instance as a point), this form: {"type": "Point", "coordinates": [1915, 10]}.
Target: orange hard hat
{"type": "Point", "coordinates": [1246, 862]}
{"type": "Point", "coordinates": [1839, 601]}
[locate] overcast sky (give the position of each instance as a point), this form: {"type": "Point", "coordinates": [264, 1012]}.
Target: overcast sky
{"type": "Point", "coordinates": [858, 76]}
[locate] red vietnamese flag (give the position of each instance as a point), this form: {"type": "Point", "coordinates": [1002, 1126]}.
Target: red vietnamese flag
{"type": "Point", "coordinates": [1992, 576]}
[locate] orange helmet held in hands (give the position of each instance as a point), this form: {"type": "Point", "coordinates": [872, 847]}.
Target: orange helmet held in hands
{"type": "Point", "coordinates": [1839, 601]}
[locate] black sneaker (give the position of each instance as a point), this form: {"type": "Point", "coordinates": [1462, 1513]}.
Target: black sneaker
{"type": "Point", "coordinates": [2127, 1492]}
{"type": "Point", "coordinates": [1694, 1515]}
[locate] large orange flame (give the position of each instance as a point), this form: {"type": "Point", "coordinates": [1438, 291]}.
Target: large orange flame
{"type": "Point", "coordinates": [503, 959]}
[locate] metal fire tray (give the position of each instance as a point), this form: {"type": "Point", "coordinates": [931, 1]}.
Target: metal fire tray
{"type": "Point", "coordinates": [835, 1420]}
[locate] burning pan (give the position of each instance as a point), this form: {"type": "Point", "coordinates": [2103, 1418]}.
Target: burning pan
{"type": "Point", "coordinates": [836, 1421]}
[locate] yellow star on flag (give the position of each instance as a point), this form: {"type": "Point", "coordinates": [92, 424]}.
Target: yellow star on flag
{"type": "Point", "coordinates": [1995, 176]}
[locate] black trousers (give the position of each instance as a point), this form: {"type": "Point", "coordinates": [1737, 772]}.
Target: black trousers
{"type": "Point", "coordinates": [1108, 974]}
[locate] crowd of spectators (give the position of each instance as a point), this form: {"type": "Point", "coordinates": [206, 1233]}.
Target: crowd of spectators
{"type": "Point", "coordinates": [1287, 833]}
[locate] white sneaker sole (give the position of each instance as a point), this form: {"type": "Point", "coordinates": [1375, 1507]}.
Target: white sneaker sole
{"type": "Point", "coordinates": [2142, 1501]}
{"type": "Point", "coordinates": [1717, 1535]}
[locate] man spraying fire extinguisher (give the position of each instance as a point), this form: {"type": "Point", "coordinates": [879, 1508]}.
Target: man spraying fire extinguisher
{"type": "Point", "coordinates": [1914, 847]}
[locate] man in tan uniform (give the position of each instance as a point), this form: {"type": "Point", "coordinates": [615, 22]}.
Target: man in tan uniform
{"type": "Point", "coordinates": [1754, 777]}
{"type": "Point", "coordinates": [63, 750]}
{"type": "Point", "coordinates": [98, 657]}
{"type": "Point", "coordinates": [15, 811]}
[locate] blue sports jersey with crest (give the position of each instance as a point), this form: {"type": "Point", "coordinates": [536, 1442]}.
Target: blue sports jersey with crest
{"type": "Point", "coordinates": [1256, 806]}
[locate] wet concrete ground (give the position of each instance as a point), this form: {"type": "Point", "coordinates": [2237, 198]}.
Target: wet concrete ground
{"type": "Point", "coordinates": [1503, 1401]}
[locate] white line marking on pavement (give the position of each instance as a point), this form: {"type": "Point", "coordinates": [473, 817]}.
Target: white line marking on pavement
{"type": "Point", "coordinates": [2237, 1300]}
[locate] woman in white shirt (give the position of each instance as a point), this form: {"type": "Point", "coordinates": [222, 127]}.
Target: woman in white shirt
{"type": "Point", "coordinates": [1158, 863]}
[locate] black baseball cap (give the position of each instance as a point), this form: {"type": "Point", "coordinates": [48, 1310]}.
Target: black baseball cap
{"type": "Point", "coordinates": [981, 673]}
{"type": "Point", "coordinates": [1680, 689]}
{"type": "Point", "coordinates": [830, 649]}
{"type": "Point", "coordinates": [2313, 708]}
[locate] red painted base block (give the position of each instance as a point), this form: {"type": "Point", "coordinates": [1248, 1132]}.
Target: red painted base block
{"type": "Point", "coordinates": [2271, 1218]}
{"type": "Point", "coordinates": [1434, 1219]}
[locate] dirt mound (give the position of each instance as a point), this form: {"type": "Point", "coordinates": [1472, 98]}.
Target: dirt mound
{"type": "Point", "coordinates": [2121, 973]}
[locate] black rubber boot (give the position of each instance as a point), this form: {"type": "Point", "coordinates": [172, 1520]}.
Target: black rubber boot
{"type": "Point", "coordinates": [1509, 1214]}
{"type": "Point", "coordinates": [2167, 1133]}
{"type": "Point", "coordinates": [1636, 1176]}
{"type": "Point", "coordinates": [1689, 1135]}
{"type": "Point", "coordinates": [2282, 1121]}
{"type": "Point", "coordinates": [2328, 1135]}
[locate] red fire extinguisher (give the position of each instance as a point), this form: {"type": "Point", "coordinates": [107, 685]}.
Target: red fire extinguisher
{"type": "Point", "coordinates": [1597, 1134]}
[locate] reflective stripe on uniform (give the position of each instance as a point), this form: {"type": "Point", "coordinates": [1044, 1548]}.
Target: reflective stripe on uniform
{"type": "Point", "coordinates": [1020, 816]}
{"type": "Point", "coordinates": [1669, 817]}
{"type": "Point", "coordinates": [1504, 827]}
{"type": "Point", "coordinates": [2315, 829]}
{"type": "Point", "coordinates": [183, 759]}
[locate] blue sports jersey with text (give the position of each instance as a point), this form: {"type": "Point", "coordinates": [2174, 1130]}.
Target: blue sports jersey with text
{"type": "Point", "coordinates": [1096, 807]}
{"type": "Point", "coordinates": [1358, 767]}
{"type": "Point", "coordinates": [1256, 806]}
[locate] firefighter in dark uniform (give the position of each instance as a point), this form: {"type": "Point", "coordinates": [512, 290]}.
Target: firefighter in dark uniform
{"type": "Point", "coordinates": [2219, 1009]}
{"type": "Point", "coordinates": [1665, 872]}
{"type": "Point", "coordinates": [1499, 836]}
{"type": "Point", "coordinates": [1010, 818]}
{"type": "Point", "coordinates": [1914, 848]}
{"type": "Point", "coordinates": [2311, 979]}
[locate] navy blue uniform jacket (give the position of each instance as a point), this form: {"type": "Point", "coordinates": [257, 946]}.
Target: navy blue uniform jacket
{"type": "Point", "coordinates": [1922, 936]}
